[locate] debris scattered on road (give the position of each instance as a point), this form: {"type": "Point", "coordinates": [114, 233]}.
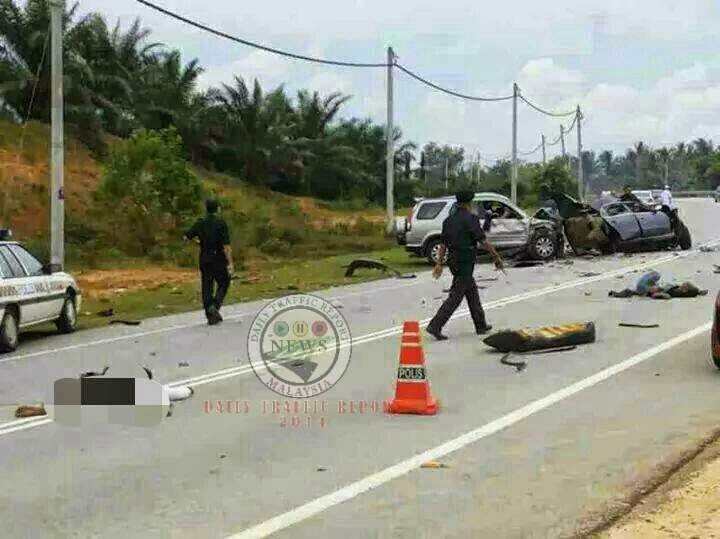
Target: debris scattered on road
{"type": "Point", "coordinates": [337, 304]}
{"type": "Point", "coordinates": [369, 264]}
{"type": "Point", "coordinates": [487, 279]}
{"type": "Point", "coordinates": [528, 263]}
{"type": "Point", "coordinates": [706, 249]}
{"type": "Point", "coordinates": [716, 268]}
{"type": "Point", "coordinates": [29, 410]}
{"type": "Point", "coordinates": [588, 293]}
{"type": "Point", "coordinates": [93, 373]}
{"type": "Point", "coordinates": [106, 313]}
{"type": "Point", "coordinates": [434, 464]}
{"type": "Point", "coordinates": [519, 365]}
{"type": "Point", "coordinates": [633, 325]}
{"type": "Point", "coordinates": [321, 469]}
{"type": "Point", "coordinates": [126, 322]}
{"type": "Point", "coordinates": [153, 353]}
{"type": "Point", "coordinates": [542, 338]}
{"type": "Point", "coordinates": [183, 364]}
{"type": "Point", "coordinates": [566, 262]}
{"type": "Point", "coordinates": [590, 274]}
{"type": "Point", "coordinates": [223, 455]}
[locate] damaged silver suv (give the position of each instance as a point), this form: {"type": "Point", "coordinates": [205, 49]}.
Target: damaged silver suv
{"type": "Point", "coordinates": [509, 228]}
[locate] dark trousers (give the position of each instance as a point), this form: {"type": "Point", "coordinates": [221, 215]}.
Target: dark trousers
{"type": "Point", "coordinates": [462, 287]}
{"type": "Point", "coordinates": [212, 274]}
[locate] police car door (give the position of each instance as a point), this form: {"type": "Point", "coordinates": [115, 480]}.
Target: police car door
{"type": "Point", "coordinates": [50, 302]}
{"type": "Point", "coordinates": [30, 291]}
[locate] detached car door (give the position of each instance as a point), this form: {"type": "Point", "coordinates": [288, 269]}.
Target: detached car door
{"type": "Point", "coordinates": [621, 219]}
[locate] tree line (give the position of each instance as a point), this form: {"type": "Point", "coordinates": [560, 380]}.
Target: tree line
{"type": "Point", "coordinates": [118, 81]}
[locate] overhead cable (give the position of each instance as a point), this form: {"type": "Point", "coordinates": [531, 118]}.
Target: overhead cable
{"type": "Point", "coordinates": [531, 151]}
{"type": "Point", "coordinates": [256, 45]}
{"type": "Point", "coordinates": [543, 111]}
{"type": "Point", "coordinates": [445, 90]}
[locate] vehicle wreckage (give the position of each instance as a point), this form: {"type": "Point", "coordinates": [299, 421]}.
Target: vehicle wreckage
{"type": "Point", "coordinates": [619, 226]}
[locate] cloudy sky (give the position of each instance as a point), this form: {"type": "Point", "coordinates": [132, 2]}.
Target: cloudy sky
{"type": "Point", "coordinates": [640, 69]}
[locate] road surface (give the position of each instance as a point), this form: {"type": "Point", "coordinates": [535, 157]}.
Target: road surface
{"type": "Point", "coordinates": [529, 454]}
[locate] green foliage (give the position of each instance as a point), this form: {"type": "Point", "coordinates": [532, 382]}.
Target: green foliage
{"type": "Point", "coordinates": [149, 179]}
{"type": "Point", "coordinates": [555, 177]}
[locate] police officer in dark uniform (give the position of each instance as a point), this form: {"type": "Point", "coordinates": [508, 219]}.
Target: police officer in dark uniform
{"type": "Point", "coordinates": [461, 233]}
{"type": "Point", "coordinates": [216, 265]}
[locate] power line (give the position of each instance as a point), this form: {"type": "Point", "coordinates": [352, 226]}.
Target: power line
{"type": "Point", "coordinates": [445, 90]}
{"type": "Point", "coordinates": [543, 111]}
{"type": "Point", "coordinates": [531, 151]}
{"type": "Point", "coordinates": [255, 45]}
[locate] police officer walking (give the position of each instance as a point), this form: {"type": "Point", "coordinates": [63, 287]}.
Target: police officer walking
{"type": "Point", "coordinates": [216, 265]}
{"type": "Point", "coordinates": [461, 232]}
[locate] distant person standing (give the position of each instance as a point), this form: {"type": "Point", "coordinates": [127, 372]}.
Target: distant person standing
{"type": "Point", "coordinates": [216, 265]}
{"type": "Point", "coordinates": [668, 205]}
{"type": "Point", "coordinates": [461, 233]}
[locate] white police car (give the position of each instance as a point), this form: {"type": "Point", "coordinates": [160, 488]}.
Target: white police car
{"type": "Point", "coordinates": [31, 294]}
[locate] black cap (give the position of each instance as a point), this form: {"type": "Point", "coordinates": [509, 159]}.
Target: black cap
{"type": "Point", "coordinates": [211, 205]}
{"type": "Point", "coordinates": [463, 197]}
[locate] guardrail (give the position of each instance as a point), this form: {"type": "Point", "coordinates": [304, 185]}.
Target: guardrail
{"type": "Point", "coordinates": [693, 194]}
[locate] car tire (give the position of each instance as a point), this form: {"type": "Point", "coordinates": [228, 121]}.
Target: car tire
{"type": "Point", "coordinates": [9, 331]}
{"type": "Point", "coordinates": [684, 238]}
{"type": "Point", "coordinates": [542, 245]}
{"type": "Point", "coordinates": [68, 317]}
{"type": "Point", "coordinates": [432, 251]}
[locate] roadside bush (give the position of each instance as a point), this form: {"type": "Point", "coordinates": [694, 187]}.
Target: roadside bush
{"type": "Point", "coordinates": [149, 190]}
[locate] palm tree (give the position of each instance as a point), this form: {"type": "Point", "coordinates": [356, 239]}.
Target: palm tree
{"type": "Point", "coordinates": [314, 114]}
{"type": "Point", "coordinates": [255, 128]}
{"type": "Point", "coordinates": [606, 161]}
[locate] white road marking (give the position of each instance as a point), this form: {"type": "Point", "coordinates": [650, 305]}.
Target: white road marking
{"type": "Point", "coordinates": [375, 480]}
{"type": "Point", "coordinates": [232, 372]}
{"type": "Point", "coordinates": [176, 327]}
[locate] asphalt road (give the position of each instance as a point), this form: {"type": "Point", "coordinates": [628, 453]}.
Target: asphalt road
{"type": "Point", "coordinates": [530, 453]}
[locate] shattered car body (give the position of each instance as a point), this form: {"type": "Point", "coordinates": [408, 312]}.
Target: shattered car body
{"type": "Point", "coordinates": [507, 226]}
{"type": "Point", "coordinates": [619, 226]}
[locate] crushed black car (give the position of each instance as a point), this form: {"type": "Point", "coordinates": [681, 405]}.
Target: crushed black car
{"type": "Point", "coordinates": [620, 226]}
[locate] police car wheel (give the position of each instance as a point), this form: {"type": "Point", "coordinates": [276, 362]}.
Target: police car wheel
{"type": "Point", "coordinates": [68, 317]}
{"type": "Point", "coordinates": [9, 334]}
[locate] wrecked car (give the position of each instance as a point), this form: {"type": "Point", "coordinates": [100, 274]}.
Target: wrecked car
{"type": "Point", "coordinates": [507, 226]}
{"type": "Point", "coordinates": [619, 226]}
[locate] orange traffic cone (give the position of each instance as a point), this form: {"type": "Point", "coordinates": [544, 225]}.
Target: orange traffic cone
{"type": "Point", "coordinates": [412, 389]}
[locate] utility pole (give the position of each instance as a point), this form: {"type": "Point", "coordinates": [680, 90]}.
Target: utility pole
{"type": "Point", "coordinates": [581, 173]}
{"type": "Point", "coordinates": [562, 142]}
{"type": "Point", "coordinates": [514, 172]}
{"type": "Point", "coordinates": [446, 175]}
{"type": "Point", "coordinates": [57, 196]}
{"type": "Point", "coordinates": [543, 146]}
{"type": "Point", "coordinates": [390, 151]}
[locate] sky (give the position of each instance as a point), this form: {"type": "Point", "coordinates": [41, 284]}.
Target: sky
{"type": "Point", "coordinates": [641, 70]}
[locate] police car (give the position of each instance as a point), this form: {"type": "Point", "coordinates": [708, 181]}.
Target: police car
{"type": "Point", "coordinates": [31, 294]}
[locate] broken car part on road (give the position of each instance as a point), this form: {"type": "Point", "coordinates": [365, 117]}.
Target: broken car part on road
{"type": "Point", "coordinates": [374, 264]}
{"type": "Point", "coordinates": [542, 338]}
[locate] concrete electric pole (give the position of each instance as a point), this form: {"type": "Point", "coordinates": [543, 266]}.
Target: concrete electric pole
{"type": "Point", "coordinates": [514, 172]}
{"type": "Point", "coordinates": [390, 130]}
{"type": "Point", "coordinates": [57, 195]}
{"type": "Point", "coordinates": [581, 172]}
{"type": "Point", "coordinates": [543, 148]}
